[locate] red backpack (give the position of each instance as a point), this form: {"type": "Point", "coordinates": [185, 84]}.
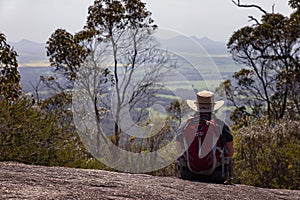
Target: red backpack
{"type": "Point", "coordinates": [204, 149]}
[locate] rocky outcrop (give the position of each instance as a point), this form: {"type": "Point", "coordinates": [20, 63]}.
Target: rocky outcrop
{"type": "Point", "coordinates": [20, 181]}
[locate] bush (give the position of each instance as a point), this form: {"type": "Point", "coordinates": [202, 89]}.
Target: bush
{"type": "Point", "coordinates": [268, 156]}
{"type": "Point", "coordinates": [33, 136]}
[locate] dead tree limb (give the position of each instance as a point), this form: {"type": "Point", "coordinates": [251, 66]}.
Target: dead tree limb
{"type": "Point", "coordinates": [251, 18]}
{"type": "Point", "coordinates": [238, 3]}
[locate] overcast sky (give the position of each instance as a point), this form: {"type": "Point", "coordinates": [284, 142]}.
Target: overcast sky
{"type": "Point", "coordinates": [216, 19]}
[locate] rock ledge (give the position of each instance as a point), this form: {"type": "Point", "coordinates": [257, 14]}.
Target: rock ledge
{"type": "Point", "coordinates": [20, 181]}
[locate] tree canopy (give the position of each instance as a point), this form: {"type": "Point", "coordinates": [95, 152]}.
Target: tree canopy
{"type": "Point", "coordinates": [10, 87]}
{"type": "Point", "coordinates": [265, 97]}
{"type": "Point", "coordinates": [269, 81]}
{"type": "Point", "coordinates": [65, 53]}
{"type": "Point", "coordinates": [117, 40]}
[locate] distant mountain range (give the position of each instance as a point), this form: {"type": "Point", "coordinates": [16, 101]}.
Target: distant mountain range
{"type": "Point", "coordinates": [30, 53]}
{"type": "Point", "coordinates": [201, 46]}
{"type": "Point", "coordinates": [203, 53]}
{"type": "Point", "coordinates": [34, 54]}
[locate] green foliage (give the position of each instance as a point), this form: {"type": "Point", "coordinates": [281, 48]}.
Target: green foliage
{"type": "Point", "coordinates": [124, 28]}
{"type": "Point", "coordinates": [175, 110]}
{"type": "Point", "coordinates": [10, 88]}
{"type": "Point", "coordinates": [265, 94]}
{"type": "Point", "coordinates": [268, 156]}
{"type": "Point", "coordinates": [31, 135]}
{"type": "Point", "coordinates": [58, 103]}
{"type": "Point", "coordinates": [269, 82]}
{"type": "Point", "coordinates": [294, 4]}
{"type": "Point", "coordinates": [65, 53]}
{"type": "Point", "coordinates": [39, 134]}
{"type": "Point", "coordinates": [107, 17]}
{"type": "Point", "coordinates": [116, 32]}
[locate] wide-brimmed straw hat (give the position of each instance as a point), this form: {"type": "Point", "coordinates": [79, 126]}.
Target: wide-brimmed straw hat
{"type": "Point", "coordinates": [205, 102]}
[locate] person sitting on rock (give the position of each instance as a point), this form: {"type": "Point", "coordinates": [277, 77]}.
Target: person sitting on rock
{"type": "Point", "coordinates": [205, 143]}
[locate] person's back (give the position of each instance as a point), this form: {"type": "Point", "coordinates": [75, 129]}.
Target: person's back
{"type": "Point", "coordinates": [205, 142]}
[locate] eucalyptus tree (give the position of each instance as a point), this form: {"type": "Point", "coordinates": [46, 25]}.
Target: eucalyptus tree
{"type": "Point", "coordinates": [268, 51]}
{"type": "Point", "coordinates": [117, 40]}
{"type": "Point", "coordinates": [10, 88]}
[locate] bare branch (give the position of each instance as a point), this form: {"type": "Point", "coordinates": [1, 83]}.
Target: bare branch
{"type": "Point", "coordinates": [238, 3]}
{"type": "Point", "coordinates": [251, 18]}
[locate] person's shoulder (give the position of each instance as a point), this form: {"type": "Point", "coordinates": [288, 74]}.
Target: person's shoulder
{"type": "Point", "coordinates": [222, 123]}
{"type": "Point", "coordinates": [219, 121]}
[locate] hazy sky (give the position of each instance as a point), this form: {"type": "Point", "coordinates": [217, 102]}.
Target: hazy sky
{"type": "Point", "coordinates": [217, 19]}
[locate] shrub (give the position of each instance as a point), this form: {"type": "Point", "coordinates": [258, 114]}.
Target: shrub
{"type": "Point", "coordinates": [268, 156]}
{"type": "Point", "coordinates": [33, 136]}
